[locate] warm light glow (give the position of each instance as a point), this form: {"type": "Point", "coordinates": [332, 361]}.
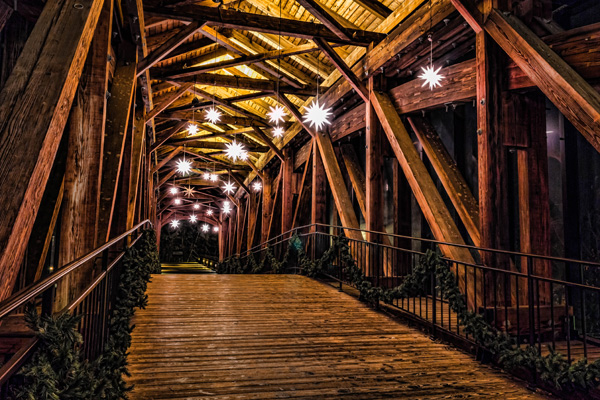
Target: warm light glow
{"type": "Point", "coordinates": [206, 176]}
{"type": "Point", "coordinates": [213, 115]}
{"type": "Point", "coordinates": [205, 228]}
{"type": "Point", "coordinates": [174, 223]}
{"type": "Point", "coordinates": [236, 151]}
{"type": "Point", "coordinates": [188, 191]}
{"type": "Point", "coordinates": [214, 177]}
{"type": "Point", "coordinates": [184, 167]}
{"type": "Point", "coordinates": [278, 132]}
{"type": "Point", "coordinates": [192, 129]}
{"type": "Point", "coordinates": [216, 229]}
{"type": "Point", "coordinates": [229, 187]}
{"type": "Point", "coordinates": [317, 115]}
{"type": "Point", "coordinates": [196, 206]}
{"type": "Point", "coordinates": [209, 212]}
{"type": "Point", "coordinates": [257, 186]}
{"type": "Point", "coordinates": [276, 114]}
{"type": "Point", "coordinates": [193, 218]}
{"type": "Point", "coordinates": [177, 201]}
{"type": "Point", "coordinates": [431, 77]}
{"type": "Point", "coordinates": [173, 190]}
{"type": "Point", "coordinates": [226, 207]}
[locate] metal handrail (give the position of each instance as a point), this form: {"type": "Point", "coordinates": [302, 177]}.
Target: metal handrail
{"type": "Point", "coordinates": [33, 290]}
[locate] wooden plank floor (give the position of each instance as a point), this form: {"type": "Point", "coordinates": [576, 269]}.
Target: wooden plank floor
{"type": "Point", "coordinates": [287, 336]}
{"type": "Point", "coordinates": [185, 268]}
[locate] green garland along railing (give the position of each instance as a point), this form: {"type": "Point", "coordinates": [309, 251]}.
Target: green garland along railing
{"type": "Point", "coordinates": [553, 368]}
{"type": "Point", "coordinates": [57, 371]}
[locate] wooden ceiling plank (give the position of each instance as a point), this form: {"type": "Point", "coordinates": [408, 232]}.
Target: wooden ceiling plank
{"type": "Point", "coordinates": [375, 7]}
{"type": "Point", "coordinates": [170, 99]}
{"type": "Point", "coordinates": [326, 19]}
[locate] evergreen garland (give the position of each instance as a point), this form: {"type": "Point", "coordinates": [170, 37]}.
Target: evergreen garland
{"type": "Point", "coordinates": [57, 371]}
{"type": "Point", "coordinates": [553, 368]}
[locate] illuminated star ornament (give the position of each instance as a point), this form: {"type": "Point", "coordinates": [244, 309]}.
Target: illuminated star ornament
{"type": "Point", "coordinates": [236, 151]}
{"type": "Point", "coordinates": [214, 177]}
{"type": "Point", "coordinates": [174, 223]}
{"type": "Point", "coordinates": [431, 77]}
{"type": "Point", "coordinates": [213, 115]}
{"type": "Point", "coordinates": [276, 114]}
{"type": "Point", "coordinates": [229, 187]}
{"type": "Point", "coordinates": [193, 218]}
{"type": "Point", "coordinates": [226, 207]}
{"type": "Point", "coordinates": [196, 206]}
{"type": "Point", "coordinates": [257, 186]}
{"type": "Point", "coordinates": [184, 167]}
{"type": "Point", "coordinates": [206, 176]}
{"type": "Point", "coordinates": [209, 212]}
{"type": "Point", "coordinates": [216, 229]}
{"type": "Point", "coordinates": [317, 115]}
{"type": "Point", "coordinates": [177, 201]}
{"type": "Point", "coordinates": [189, 192]}
{"type": "Point", "coordinates": [278, 132]}
{"type": "Point", "coordinates": [173, 190]}
{"type": "Point", "coordinates": [192, 129]}
{"type": "Point", "coordinates": [205, 228]}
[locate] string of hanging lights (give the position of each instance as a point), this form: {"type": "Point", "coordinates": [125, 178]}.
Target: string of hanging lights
{"type": "Point", "coordinates": [226, 207]}
{"type": "Point", "coordinates": [277, 113]}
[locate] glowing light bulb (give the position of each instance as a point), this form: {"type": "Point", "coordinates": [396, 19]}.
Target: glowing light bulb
{"type": "Point", "coordinates": [174, 223]}
{"type": "Point", "coordinates": [192, 129]}
{"type": "Point", "coordinates": [177, 201]}
{"type": "Point", "coordinates": [317, 115]}
{"type": "Point", "coordinates": [173, 190]}
{"type": "Point", "coordinates": [184, 167]}
{"type": "Point", "coordinates": [236, 151]}
{"type": "Point", "coordinates": [196, 206]}
{"type": "Point", "coordinates": [205, 228]}
{"type": "Point", "coordinates": [213, 115]}
{"type": "Point", "coordinates": [216, 229]}
{"type": "Point", "coordinates": [229, 188]}
{"type": "Point", "coordinates": [278, 132]}
{"type": "Point", "coordinates": [206, 176]}
{"type": "Point", "coordinates": [257, 186]}
{"type": "Point", "coordinates": [276, 114]}
{"type": "Point", "coordinates": [209, 212]}
{"type": "Point", "coordinates": [214, 177]}
{"type": "Point", "coordinates": [193, 218]}
{"type": "Point", "coordinates": [431, 77]}
{"type": "Point", "coordinates": [226, 207]}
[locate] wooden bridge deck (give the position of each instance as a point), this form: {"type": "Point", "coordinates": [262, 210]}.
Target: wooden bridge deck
{"type": "Point", "coordinates": [287, 336]}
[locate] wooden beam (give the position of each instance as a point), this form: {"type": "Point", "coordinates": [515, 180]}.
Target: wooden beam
{"type": "Point", "coordinates": [118, 113]}
{"type": "Point", "coordinates": [5, 13]}
{"type": "Point", "coordinates": [168, 46]}
{"type": "Point", "coordinates": [319, 188]}
{"type": "Point", "coordinates": [376, 8]}
{"type": "Point", "coordinates": [356, 174]}
{"type": "Point", "coordinates": [576, 99]}
{"type": "Point", "coordinates": [304, 188]}
{"type": "Point", "coordinates": [224, 120]}
{"type": "Point", "coordinates": [225, 103]}
{"type": "Point", "coordinates": [165, 178]}
{"type": "Point", "coordinates": [326, 19]}
{"type": "Point", "coordinates": [167, 158]}
{"type": "Point", "coordinates": [470, 13]}
{"type": "Point", "coordinates": [373, 170]}
{"type": "Point", "coordinates": [447, 171]}
{"type": "Point", "coordinates": [259, 132]}
{"type": "Point", "coordinates": [346, 72]}
{"type": "Point", "coordinates": [267, 206]}
{"type": "Point", "coordinates": [162, 139]}
{"type": "Point", "coordinates": [170, 99]}
{"type": "Point", "coordinates": [437, 215]}
{"type": "Point", "coordinates": [139, 133]}
{"type": "Point", "coordinates": [57, 45]}
{"type": "Point", "coordinates": [262, 23]}
{"type": "Point", "coordinates": [287, 196]}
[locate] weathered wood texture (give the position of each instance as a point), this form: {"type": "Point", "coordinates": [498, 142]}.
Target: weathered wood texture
{"type": "Point", "coordinates": [287, 336]}
{"type": "Point", "coordinates": [48, 68]}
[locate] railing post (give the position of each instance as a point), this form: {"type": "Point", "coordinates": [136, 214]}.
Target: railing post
{"type": "Point", "coordinates": [434, 306]}
{"type": "Point", "coordinates": [531, 299]}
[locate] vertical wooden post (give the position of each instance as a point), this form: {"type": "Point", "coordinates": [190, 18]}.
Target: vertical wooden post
{"type": "Point", "coordinates": [135, 169]}
{"type": "Point", "coordinates": [402, 220]}
{"type": "Point", "coordinates": [267, 206]}
{"type": "Point", "coordinates": [374, 188]}
{"type": "Point", "coordinates": [287, 207]}
{"type": "Point", "coordinates": [318, 210]}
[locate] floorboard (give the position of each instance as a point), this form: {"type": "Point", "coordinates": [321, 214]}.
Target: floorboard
{"type": "Point", "coordinates": [286, 336]}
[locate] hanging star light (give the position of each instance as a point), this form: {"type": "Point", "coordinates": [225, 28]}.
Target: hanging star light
{"type": "Point", "coordinates": [206, 176]}
{"type": "Point", "coordinates": [229, 187]}
{"type": "Point", "coordinates": [205, 228]}
{"type": "Point", "coordinates": [174, 223]}
{"type": "Point", "coordinates": [193, 218]}
{"type": "Point", "coordinates": [257, 186]}
{"type": "Point", "coordinates": [213, 115]}
{"type": "Point", "coordinates": [177, 201]}
{"type": "Point", "coordinates": [173, 190]}
{"type": "Point", "coordinates": [226, 207]}
{"type": "Point", "coordinates": [317, 115]}
{"type": "Point", "coordinates": [276, 114]}
{"type": "Point", "coordinates": [214, 177]}
{"type": "Point", "coordinates": [209, 212]}
{"type": "Point", "coordinates": [184, 167]}
{"type": "Point", "coordinates": [235, 151]}
{"type": "Point", "coordinates": [188, 191]}
{"type": "Point", "coordinates": [278, 132]}
{"type": "Point", "coordinates": [196, 206]}
{"type": "Point", "coordinates": [431, 77]}
{"type": "Point", "coordinates": [216, 229]}
{"type": "Point", "coordinates": [192, 129]}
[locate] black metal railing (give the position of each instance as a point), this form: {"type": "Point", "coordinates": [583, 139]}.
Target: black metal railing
{"type": "Point", "coordinates": [539, 300]}
{"type": "Point", "coordinates": [93, 304]}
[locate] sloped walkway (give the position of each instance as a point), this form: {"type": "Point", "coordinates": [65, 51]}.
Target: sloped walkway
{"type": "Point", "coordinates": [287, 336]}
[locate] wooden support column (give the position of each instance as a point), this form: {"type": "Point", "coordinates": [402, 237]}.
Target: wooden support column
{"type": "Point", "coordinates": [117, 122]}
{"type": "Point", "coordinates": [241, 228]}
{"type": "Point", "coordinates": [58, 46]}
{"type": "Point", "coordinates": [287, 206]}
{"type": "Point", "coordinates": [223, 231]}
{"type": "Point", "coordinates": [253, 207]}
{"type": "Point", "coordinates": [135, 193]}
{"type": "Point", "coordinates": [402, 221]}
{"type": "Point", "coordinates": [83, 173]}
{"type": "Point", "coordinates": [318, 209]}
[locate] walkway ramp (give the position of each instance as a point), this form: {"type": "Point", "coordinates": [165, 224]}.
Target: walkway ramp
{"type": "Point", "coordinates": [290, 337]}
